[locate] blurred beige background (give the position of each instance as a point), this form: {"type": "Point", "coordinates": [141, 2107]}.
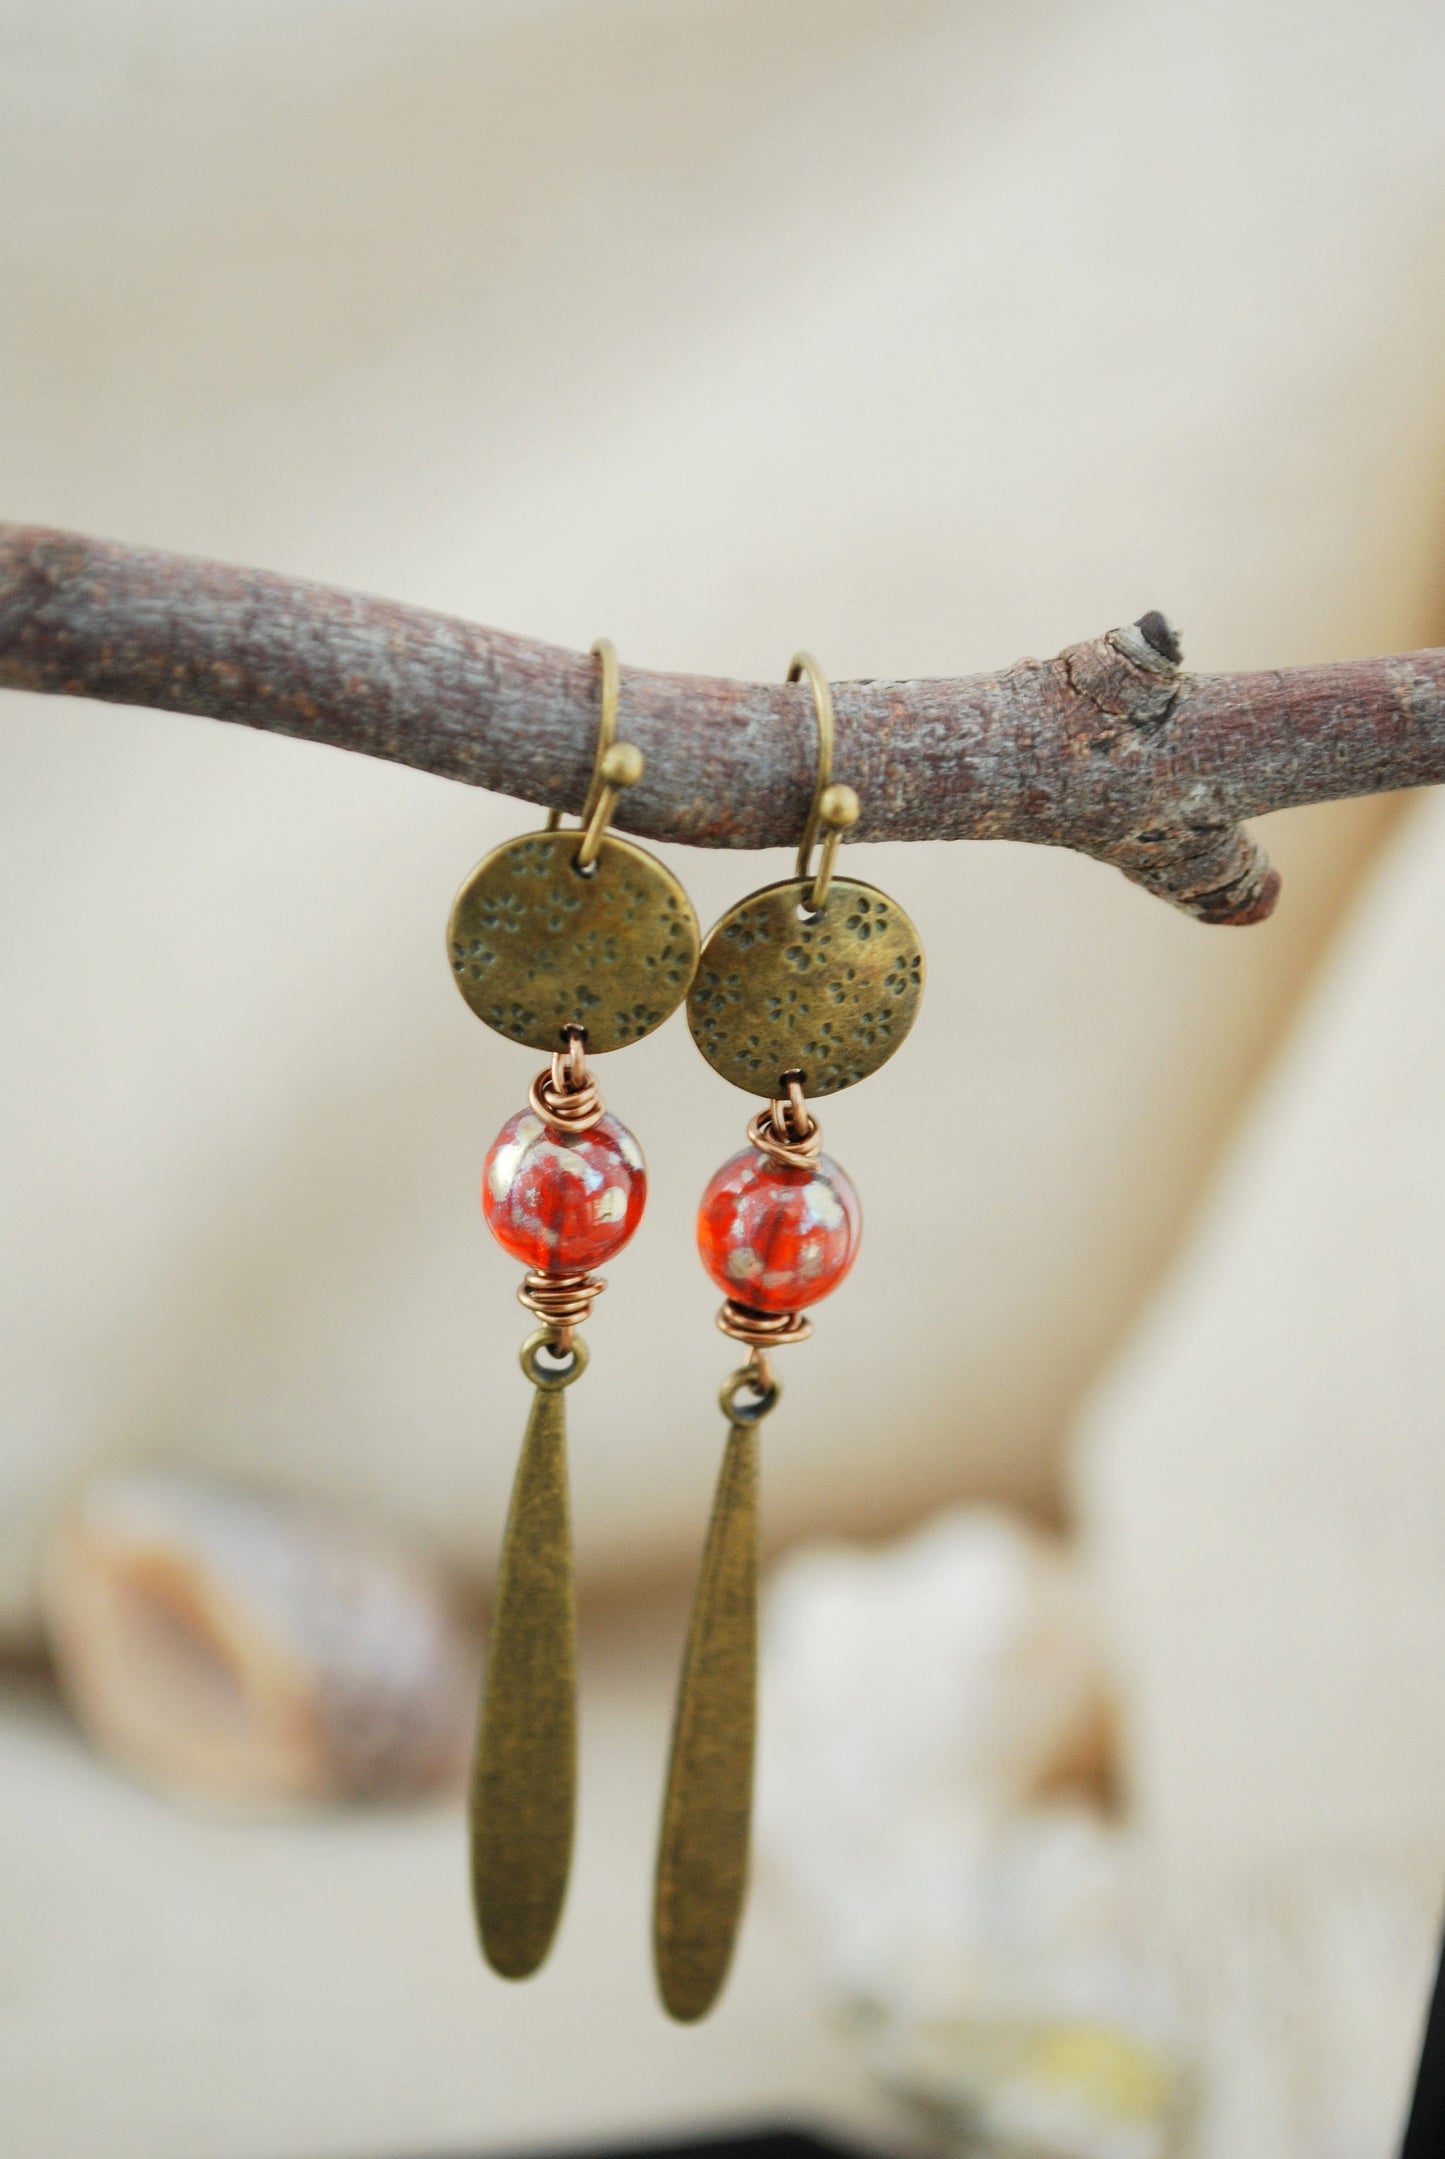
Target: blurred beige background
{"type": "Point", "coordinates": [1264, 1501]}
{"type": "Point", "coordinates": [923, 335]}
{"type": "Point", "coordinates": [722, 328]}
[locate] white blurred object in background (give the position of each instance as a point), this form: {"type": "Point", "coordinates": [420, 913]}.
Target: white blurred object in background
{"type": "Point", "coordinates": [934, 1740]}
{"type": "Point", "coordinates": [1263, 1482]}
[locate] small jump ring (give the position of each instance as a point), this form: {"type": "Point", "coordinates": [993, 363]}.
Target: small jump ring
{"type": "Point", "coordinates": [748, 1380]}
{"type": "Point", "coordinates": [563, 1372]}
{"type": "Point", "coordinates": [569, 1065]}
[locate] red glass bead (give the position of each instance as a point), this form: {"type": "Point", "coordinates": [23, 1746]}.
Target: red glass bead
{"type": "Point", "coordinates": [778, 1238]}
{"type": "Point", "coordinates": [563, 1202]}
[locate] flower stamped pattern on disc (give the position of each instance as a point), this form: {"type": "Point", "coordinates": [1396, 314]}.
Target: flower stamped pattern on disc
{"type": "Point", "coordinates": [831, 995]}
{"type": "Point", "coordinates": [537, 945]}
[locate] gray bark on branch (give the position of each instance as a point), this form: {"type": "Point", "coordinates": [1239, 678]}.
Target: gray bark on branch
{"type": "Point", "coordinates": [1110, 748]}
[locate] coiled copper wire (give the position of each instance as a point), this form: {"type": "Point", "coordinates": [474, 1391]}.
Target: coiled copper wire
{"type": "Point", "coordinates": [566, 1095]}
{"type": "Point", "coordinates": [560, 1301]}
{"type": "Point", "coordinates": [762, 1330]}
{"type": "Point", "coordinates": [786, 1131]}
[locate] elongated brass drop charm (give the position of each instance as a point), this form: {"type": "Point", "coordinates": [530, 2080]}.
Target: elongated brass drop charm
{"type": "Point", "coordinates": [524, 1781]}
{"type": "Point", "coordinates": [702, 1859]}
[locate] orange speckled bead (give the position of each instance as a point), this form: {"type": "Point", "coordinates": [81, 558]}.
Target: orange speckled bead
{"type": "Point", "coordinates": [778, 1238]}
{"type": "Point", "coordinates": [563, 1202]}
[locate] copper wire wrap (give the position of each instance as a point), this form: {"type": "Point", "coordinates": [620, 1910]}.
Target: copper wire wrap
{"type": "Point", "coordinates": [566, 1096]}
{"type": "Point", "coordinates": [762, 1331]}
{"type": "Point", "coordinates": [560, 1301]}
{"type": "Point", "coordinates": [567, 1100]}
{"type": "Point", "coordinates": [786, 1131]}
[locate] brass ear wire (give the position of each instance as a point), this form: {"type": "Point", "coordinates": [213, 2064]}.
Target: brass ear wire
{"type": "Point", "coordinates": [834, 808]}
{"type": "Point", "coordinates": [616, 765]}
{"type": "Point", "coordinates": [605, 653]}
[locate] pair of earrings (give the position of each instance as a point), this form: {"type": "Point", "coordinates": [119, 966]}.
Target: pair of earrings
{"type": "Point", "coordinates": [579, 942]}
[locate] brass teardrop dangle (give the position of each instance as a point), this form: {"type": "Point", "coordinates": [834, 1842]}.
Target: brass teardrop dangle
{"type": "Point", "coordinates": [577, 942]}
{"type": "Point", "coordinates": [702, 1859]}
{"type": "Point", "coordinates": [802, 989]}
{"type": "Point", "coordinates": [524, 1777]}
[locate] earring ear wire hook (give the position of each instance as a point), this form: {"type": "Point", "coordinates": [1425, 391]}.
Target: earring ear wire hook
{"type": "Point", "coordinates": [615, 765]}
{"type": "Point", "coordinates": [834, 809]}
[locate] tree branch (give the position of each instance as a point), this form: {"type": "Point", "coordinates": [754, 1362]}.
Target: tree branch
{"type": "Point", "coordinates": [1111, 748]}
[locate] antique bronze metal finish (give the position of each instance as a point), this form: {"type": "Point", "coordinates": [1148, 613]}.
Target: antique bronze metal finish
{"type": "Point", "coordinates": [702, 1860]}
{"type": "Point", "coordinates": [755, 1381]}
{"type": "Point", "coordinates": [838, 808]}
{"type": "Point", "coordinates": [758, 1381]}
{"type": "Point", "coordinates": [801, 664]}
{"type": "Point", "coordinates": [620, 767]}
{"type": "Point", "coordinates": [605, 654]}
{"type": "Point", "coordinates": [537, 945]}
{"type": "Point", "coordinates": [830, 993]}
{"type": "Point", "coordinates": [616, 765]}
{"type": "Point", "coordinates": [574, 933]}
{"type": "Point", "coordinates": [575, 943]}
{"type": "Point", "coordinates": [524, 1780]}
{"type": "Point", "coordinates": [815, 980]}
{"type": "Point", "coordinates": [803, 989]}
{"type": "Point", "coordinates": [833, 809]}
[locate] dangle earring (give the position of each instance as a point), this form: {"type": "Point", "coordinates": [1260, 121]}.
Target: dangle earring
{"type": "Point", "coordinates": [803, 989]}
{"type": "Point", "coordinates": [575, 942]}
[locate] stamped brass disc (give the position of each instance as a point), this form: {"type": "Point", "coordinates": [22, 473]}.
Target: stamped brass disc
{"type": "Point", "coordinates": [536, 946]}
{"type": "Point", "coordinates": [831, 995]}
